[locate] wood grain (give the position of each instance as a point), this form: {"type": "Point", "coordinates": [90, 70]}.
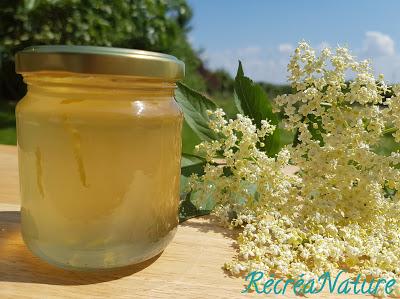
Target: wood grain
{"type": "Point", "coordinates": [190, 267]}
{"type": "Point", "coordinates": [9, 185]}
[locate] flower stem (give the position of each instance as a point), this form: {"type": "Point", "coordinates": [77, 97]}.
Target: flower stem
{"type": "Point", "coordinates": [389, 130]}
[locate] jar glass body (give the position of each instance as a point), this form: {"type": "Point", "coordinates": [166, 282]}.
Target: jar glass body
{"type": "Point", "coordinates": [99, 164]}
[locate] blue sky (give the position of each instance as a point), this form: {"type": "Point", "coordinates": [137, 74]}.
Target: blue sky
{"type": "Point", "coordinates": [263, 33]}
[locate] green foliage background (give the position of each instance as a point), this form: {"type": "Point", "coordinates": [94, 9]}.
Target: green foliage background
{"type": "Point", "coordinates": [156, 25]}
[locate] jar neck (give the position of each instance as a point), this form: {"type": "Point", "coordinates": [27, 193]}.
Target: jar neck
{"type": "Point", "coordinates": [98, 85]}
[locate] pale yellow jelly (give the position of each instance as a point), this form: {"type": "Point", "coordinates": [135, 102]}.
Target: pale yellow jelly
{"type": "Point", "coordinates": [99, 162]}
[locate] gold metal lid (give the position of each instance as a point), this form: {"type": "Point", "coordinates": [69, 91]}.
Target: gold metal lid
{"type": "Point", "coordinates": [99, 60]}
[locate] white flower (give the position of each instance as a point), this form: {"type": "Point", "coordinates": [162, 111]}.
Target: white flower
{"type": "Point", "coordinates": [337, 209]}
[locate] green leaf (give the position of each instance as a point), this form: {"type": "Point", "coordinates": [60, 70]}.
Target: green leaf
{"type": "Point", "coordinates": [194, 106]}
{"type": "Point", "coordinates": [189, 164]}
{"type": "Point", "coordinates": [190, 160]}
{"type": "Point", "coordinates": [195, 129]}
{"type": "Point", "coordinates": [251, 100]}
{"type": "Point", "coordinates": [237, 103]}
{"type": "Point", "coordinates": [316, 133]}
{"type": "Point", "coordinates": [189, 139]}
{"type": "Point", "coordinates": [187, 209]}
{"type": "Point", "coordinates": [192, 164]}
{"type": "Point", "coordinates": [240, 72]}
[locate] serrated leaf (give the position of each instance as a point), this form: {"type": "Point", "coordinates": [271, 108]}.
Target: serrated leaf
{"type": "Point", "coordinates": [252, 101]}
{"type": "Point", "coordinates": [189, 139]}
{"type": "Point", "coordinates": [190, 160]}
{"type": "Point", "coordinates": [192, 164]}
{"type": "Point", "coordinates": [194, 106]}
{"type": "Point", "coordinates": [187, 209]}
{"type": "Point", "coordinates": [237, 103]}
{"type": "Point", "coordinates": [240, 71]}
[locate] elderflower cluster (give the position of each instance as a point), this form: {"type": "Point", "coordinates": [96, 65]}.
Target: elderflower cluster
{"type": "Point", "coordinates": [254, 178]}
{"type": "Point", "coordinates": [342, 208]}
{"type": "Point", "coordinates": [394, 111]}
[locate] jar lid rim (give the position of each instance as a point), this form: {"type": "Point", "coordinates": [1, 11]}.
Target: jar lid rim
{"type": "Point", "coordinates": [99, 60]}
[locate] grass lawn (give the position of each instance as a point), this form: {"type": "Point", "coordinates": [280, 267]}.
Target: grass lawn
{"type": "Point", "coordinates": [7, 123]}
{"type": "Point", "coordinates": [8, 136]}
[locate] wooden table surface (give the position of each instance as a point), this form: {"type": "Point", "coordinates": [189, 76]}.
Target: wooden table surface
{"type": "Point", "coordinates": [190, 267]}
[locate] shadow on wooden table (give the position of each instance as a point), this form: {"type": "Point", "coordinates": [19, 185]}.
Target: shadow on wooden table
{"type": "Point", "coordinates": [209, 223]}
{"type": "Point", "coordinates": [18, 264]}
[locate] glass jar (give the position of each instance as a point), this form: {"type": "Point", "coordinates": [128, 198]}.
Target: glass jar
{"type": "Point", "coordinates": [99, 142]}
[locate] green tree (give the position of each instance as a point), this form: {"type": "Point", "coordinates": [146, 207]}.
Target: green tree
{"type": "Point", "coordinates": [156, 25]}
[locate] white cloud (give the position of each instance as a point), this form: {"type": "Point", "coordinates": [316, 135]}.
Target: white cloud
{"type": "Point", "coordinates": [389, 66]}
{"type": "Point", "coordinates": [253, 50]}
{"type": "Point", "coordinates": [285, 48]}
{"type": "Point", "coordinates": [269, 64]}
{"type": "Point", "coordinates": [380, 49]}
{"type": "Point", "coordinates": [259, 64]}
{"type": "Point", "coordinates": [378, 44]}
